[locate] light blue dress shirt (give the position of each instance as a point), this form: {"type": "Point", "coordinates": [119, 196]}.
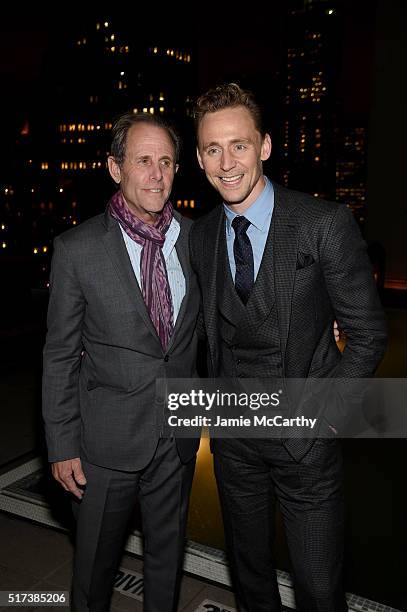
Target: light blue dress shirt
{"type": "Point", "coordinates": [259, 214]}
{"type": "Point", "coordinates": [175, 274]}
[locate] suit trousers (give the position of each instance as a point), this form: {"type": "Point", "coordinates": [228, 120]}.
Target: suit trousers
{"type": "Point", "coordinates": [252, 475]}
{"type": "Point", "coordinates": [103, 515]}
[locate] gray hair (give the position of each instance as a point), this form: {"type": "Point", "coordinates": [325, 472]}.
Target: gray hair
{"type": "Point", "coordinates": [124, 122]}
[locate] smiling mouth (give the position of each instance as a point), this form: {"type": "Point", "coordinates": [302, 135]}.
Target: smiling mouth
{"type": "Point", "coordinates": [154, 190]}
{"type": "Point", "coordinates": [231, 180]}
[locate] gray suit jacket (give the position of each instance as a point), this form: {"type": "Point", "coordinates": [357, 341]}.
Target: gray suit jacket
{"type": "Point", "coordinates": [321, 272]}
{"type": "Point", "coordinates": [102, 354]}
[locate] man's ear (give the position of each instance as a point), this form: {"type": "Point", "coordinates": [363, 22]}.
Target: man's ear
{"type": "Point", "coordinates": [199, 158]}
{"type": "Point", "coordinates": [176, 168]}
{"type": "Point", "coordinates": [114, 169]}
{"type": "Point", "coordinates": [266, 147]}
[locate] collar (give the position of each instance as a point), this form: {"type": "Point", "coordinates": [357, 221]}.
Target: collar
{"type": "Point", "coordinates": [259, 212]}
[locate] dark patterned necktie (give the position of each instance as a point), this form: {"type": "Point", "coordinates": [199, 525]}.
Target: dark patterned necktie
{"type": "Point", "coordinates": [242, 249]}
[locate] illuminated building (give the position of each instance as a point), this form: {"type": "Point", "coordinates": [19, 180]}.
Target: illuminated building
{"type": "Point", "coordinates": [308, 107]}
{"type": "Point", "coordinates": [60, 176]}
{"type": "Point", "coordinates": [351, 170]}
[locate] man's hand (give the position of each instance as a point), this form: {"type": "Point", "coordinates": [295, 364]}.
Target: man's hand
{"type": "Point", "coordinates": [337, 333]}
{"type": "Point", "coordinates": [69, 474]}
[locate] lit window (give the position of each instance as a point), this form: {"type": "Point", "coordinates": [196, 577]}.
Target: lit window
{"type": "Point", "coordinates": [4, 245]}
{"type": "Point", "coordinates": [155, 50]}
{"type": "Point", "coordinates": [179, 203]}
{"type": "Point", "coordinates": [44, 249]}
{"type": "Point", "coordinates": [106, 24]}
{"type": "Point", "coordinates": [35, 251]}
{"type": "Point", "coordinates": [161, 109]}
{"type": "Point", "coordinates": [151, 110]}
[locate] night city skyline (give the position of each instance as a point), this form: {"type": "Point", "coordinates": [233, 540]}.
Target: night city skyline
{"type": "Point", "coordinates": [70, 83]}
{"type": "Point", "coordinates": [329, 76]}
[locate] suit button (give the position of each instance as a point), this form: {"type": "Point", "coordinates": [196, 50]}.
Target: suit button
{"type": "Point", "coordinates": [166, 358]}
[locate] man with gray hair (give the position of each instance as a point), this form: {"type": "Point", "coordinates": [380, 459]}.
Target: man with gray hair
{"type": "Point", "coordinates": [122, 313]}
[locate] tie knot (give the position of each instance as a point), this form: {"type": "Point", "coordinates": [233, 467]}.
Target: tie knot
{"type": "Point", "coordinates": [240, 225]}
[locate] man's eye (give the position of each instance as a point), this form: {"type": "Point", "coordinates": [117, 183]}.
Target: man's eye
{"type": "Point", "coordinates": [144, 161]}
{"type": "Point", "coordinates": [212, 151]}
{"type": "Point", "coordinates": [166, 163]}
{"type": "Point", "coordinates": [240, 147]}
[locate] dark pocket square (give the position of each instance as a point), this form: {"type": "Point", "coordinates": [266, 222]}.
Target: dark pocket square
{"type": "Point", "coordinates": [304, 260]}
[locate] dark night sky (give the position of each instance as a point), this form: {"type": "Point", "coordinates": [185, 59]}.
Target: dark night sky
{"type": "Point", "coordinates": [223, 49]}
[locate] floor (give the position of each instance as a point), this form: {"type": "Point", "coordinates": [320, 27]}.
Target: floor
{"type": "Point", "coordinates": [33, 557]}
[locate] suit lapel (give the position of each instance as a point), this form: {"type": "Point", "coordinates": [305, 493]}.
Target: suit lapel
{"type": "Point", "coordinates": [261, 299]}
{"type": "Point", "coordinates": [285, 242]}
{"type": "Point", "coordinates": [181, 247]}
{"type": "Point", "coordinates": [211, 254]}
{"type": "Point", "coordinates": [116, 249]}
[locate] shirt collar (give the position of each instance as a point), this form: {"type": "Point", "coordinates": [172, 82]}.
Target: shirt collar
{"type": "Point", "coordinates": [258, 212]}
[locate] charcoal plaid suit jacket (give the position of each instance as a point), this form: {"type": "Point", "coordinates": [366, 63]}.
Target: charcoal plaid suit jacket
{"type": "Point", "coordinates": [321, 273]}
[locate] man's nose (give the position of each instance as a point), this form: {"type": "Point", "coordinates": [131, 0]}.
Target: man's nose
{"type": "Point", "coordinates": [227, 161]}
{"type": "Point", "coordinates": [156, 172]}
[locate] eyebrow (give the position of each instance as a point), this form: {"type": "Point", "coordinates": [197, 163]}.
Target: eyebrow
{"type": "Point", "coordinates": [234, 141]}
{"type": "Point", "coordinates": [147, 156]}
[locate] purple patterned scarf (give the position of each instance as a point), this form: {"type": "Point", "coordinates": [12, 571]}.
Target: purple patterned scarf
{"type": "Point", "coordinates": [154, 280]}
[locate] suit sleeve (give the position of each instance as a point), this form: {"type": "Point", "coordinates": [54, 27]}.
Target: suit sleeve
{"type": "Point", "coordinates": [62, 358]}
{"type": "Point", "coordinates": [353, 294]}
